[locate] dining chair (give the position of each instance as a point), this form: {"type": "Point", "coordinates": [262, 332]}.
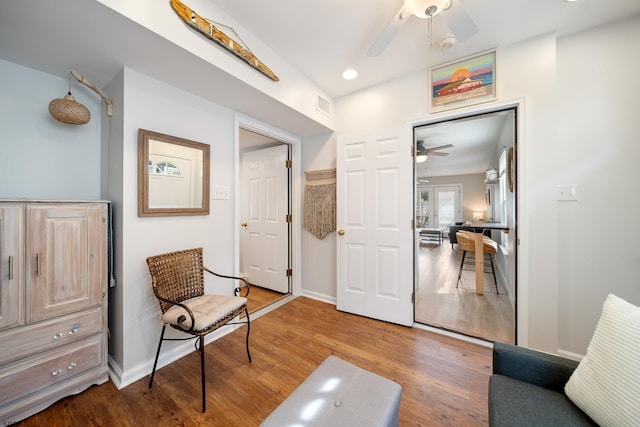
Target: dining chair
{"type": "Point", "coordinates": [467, 242]}
{"type": "Point", "coordinates": [177, 279]}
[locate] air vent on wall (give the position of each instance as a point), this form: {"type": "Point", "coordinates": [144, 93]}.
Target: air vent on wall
{"type": "Point", "coordinates": [323, 105]}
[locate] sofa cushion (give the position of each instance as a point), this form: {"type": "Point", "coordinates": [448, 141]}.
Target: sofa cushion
{"type": "Point", "coordinates": [517, 403]}
{"type": "Point", "coordinates": [605, 383]}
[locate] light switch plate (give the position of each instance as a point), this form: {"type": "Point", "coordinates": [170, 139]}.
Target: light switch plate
{"type": "Point", "coordinates": [567, 192]}
{"type": "Point", "coordinates": [220, 192]}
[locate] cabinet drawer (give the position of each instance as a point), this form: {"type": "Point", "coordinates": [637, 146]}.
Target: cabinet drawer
{"type": "Point", "coordinates": [34, 374]}
{"type": "Point", "coordinates": [21, 342]}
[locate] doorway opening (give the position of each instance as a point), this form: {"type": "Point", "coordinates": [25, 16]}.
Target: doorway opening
{"type": "Point", "coordinates": [464, 185]}
{"type": "Point", "coordinates": [265, 194]}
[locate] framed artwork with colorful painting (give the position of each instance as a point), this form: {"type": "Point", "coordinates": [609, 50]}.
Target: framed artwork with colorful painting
{"type": "Point", "coordinates": [462, 83]}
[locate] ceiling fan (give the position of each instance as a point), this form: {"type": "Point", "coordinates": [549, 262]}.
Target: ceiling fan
{"type": "Point", "coordinates": [423, 152]}
{"type": "Point", "coordinates": [453, 13]}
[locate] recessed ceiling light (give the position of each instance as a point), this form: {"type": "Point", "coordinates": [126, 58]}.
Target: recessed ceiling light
{"type": "Point", "coordinates": [570, 1]}
{"type": "Point", "coordinates": [349, 74]}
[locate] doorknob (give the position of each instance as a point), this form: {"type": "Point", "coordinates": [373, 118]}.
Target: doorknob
{"type": "Point", "coordinates": [341, 232]}
{"type": "Point", "coordinates": [244, 224]}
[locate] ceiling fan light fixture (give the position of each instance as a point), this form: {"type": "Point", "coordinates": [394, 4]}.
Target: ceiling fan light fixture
{"type": "Point", "coordinates": [426, 8]}
{"type": "Point", "coordinates": [421, 152]}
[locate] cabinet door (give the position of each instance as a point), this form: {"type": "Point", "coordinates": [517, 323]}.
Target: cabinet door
{"type": "Point", "coordinates": [66, 258]}
{"type": "Point", "coordinates": [11, 265]}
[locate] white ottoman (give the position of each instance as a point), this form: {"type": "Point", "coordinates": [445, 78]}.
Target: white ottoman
{"type": "Point", "coordinates": [338, 393]}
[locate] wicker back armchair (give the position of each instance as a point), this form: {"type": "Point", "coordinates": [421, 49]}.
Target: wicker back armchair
{"type": "Point", "coordinates": [177, 279]}
{"type": "Point", "coordinates": [467, 242]}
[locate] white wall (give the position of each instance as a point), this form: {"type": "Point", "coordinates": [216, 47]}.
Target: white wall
{"type": "Point", "coordinates": [153, 105]}
{"type": "Point", "coordinates": [576, 125]}
{"type": "Point", "coordinates": [598, 148]}
{"type": "Point", "coordinates": [507, 241]}
{"type": "Point", "coordinates": [319, 255]}
{"type": "Point", "coordinates": [41, 157]}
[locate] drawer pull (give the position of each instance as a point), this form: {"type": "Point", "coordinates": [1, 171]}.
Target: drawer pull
{"type": "Point", "coordinates": [10, 267]}
{"type": "Point", "coordinates": [57, 336]}
{"type": "Point", "coordinates": [72, 365]}
{"type": "Point", "coordinates": [56, 372]}
{"type": "Point", "coordinates": [73, 331]}
{"type": "Point", "coordinates": [37, 264]}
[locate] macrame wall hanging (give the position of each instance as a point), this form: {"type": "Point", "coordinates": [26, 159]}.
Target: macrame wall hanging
{"type": "Point", "coordinates": [320, 202]}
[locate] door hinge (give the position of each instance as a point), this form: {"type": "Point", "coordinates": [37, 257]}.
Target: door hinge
{"type": "Point", "coordinates": [413, 297]}
{"type": "Point", "coordinates": [288, 164]}
{"type": "Point", "coordinates": [288, 218]}
{"type": "Point", "coordinates": [289, 272]}
{"type": "Point", "coordinates": [413, 224]}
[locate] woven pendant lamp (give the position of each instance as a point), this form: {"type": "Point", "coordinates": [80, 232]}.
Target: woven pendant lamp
{"type": "Point", "coordinates": [68, 110]}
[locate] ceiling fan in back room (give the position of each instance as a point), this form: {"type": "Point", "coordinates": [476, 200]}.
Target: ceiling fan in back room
{"type": "Point", "coordinates": [453, 13]}
{"type": "Point", "coordinates": [423, 152]}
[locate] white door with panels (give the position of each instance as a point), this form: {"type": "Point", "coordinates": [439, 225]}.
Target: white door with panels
{"type": "Point", "coordinates": [265, 207]}
{"type": "Point", "coordinates": [374, 221]}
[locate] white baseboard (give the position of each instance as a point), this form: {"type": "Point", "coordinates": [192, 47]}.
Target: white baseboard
{"type": "Point", "coordinates": [320, 297]}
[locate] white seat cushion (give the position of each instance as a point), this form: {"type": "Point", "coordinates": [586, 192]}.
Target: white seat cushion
{"type": "Point", "coordinates": [605, 383]}
{"type": "Point", "coordinates": [207, 310]}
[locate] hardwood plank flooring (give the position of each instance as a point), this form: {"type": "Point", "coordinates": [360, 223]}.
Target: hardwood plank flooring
{"type": "Point", "coordinates": [439, 303]}
{"type": "Point", "coordinates": [444, 380]}
{"type": "Point", "coordinates": [261, 297]}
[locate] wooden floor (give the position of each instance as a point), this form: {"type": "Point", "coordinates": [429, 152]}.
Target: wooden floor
{"type": "Point", "coordinates": [444, 380]}
{"type": "Point", "coordinates": [439, 303]}
{"type": "Point", "coordinates": [261, 297]}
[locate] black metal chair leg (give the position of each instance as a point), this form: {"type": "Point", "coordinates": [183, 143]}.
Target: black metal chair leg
{"type": "Point", "coordinates": [155, 363]}
{"type": "Point", "coordinates": [464, 253]}
{"type": "Point", "coordinates": [493, 270]}
{"type": "Point", "coordinates": [201, 350]}
{"type": "Point", "coordinates": [246, 313]}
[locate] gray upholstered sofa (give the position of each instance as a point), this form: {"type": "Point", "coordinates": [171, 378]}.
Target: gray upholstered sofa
{"type": "Point", "coordinates": [527, 389]}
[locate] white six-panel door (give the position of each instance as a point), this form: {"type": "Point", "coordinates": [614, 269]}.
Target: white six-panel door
{"type": "Point", "coordinates": [265, 235]}
{"type": "Point", "coordinates": [374, 222]}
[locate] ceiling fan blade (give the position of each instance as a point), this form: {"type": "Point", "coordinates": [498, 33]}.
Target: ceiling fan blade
{"type": "Point", "coordinates": [387, 34]}
{"type": "Point", "coordinates": [459, 21]}
{"type": "Point", "coordinates": [439, 147]}
{"type": "Point", "coordinates": [437, 154]}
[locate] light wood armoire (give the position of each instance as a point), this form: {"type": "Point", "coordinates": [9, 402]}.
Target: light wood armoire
{"type": "Point", "coordinates": [53, 302]}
